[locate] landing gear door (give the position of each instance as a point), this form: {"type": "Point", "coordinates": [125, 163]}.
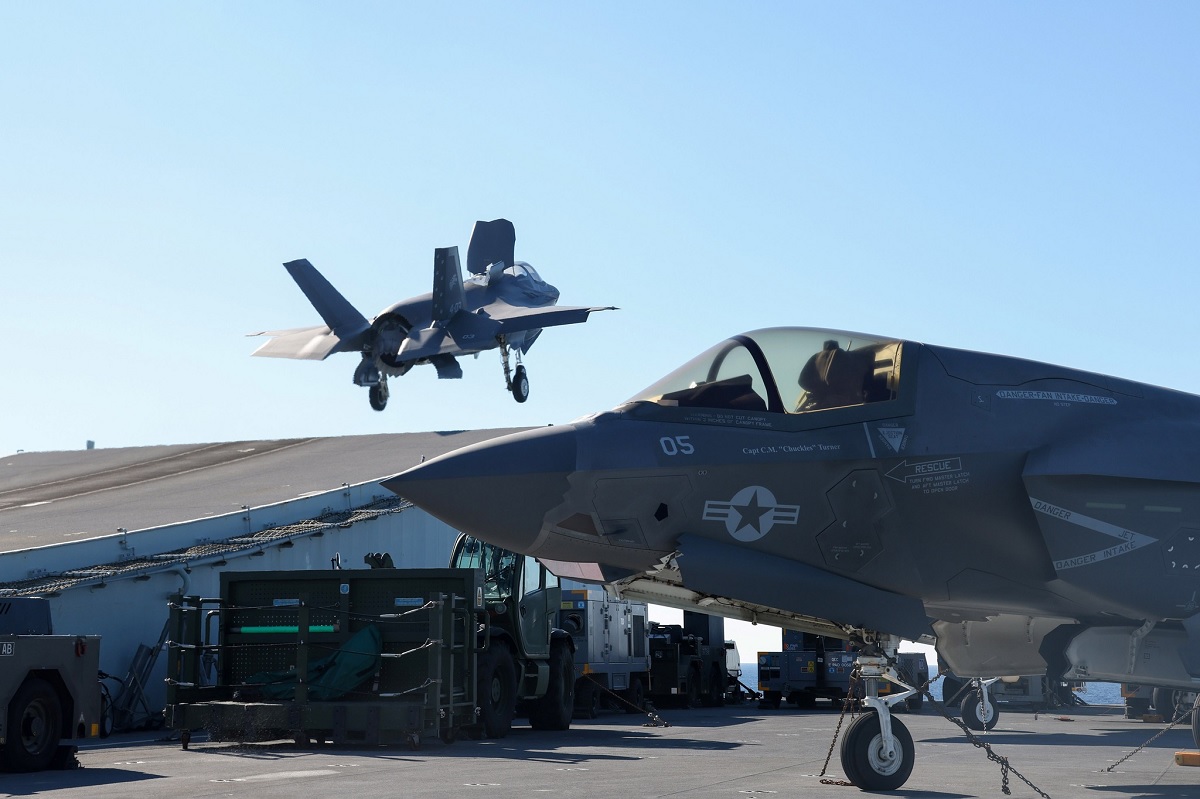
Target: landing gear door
{"type": "Point", "coordinates": [535, 608]}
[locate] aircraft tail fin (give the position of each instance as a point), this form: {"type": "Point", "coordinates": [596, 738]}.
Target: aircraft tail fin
{"type": "Point", "coordinates": [343, 318]}
{"type": "Point", "coordinates": [448, 294]}
{"type": "Point", "coordinates": [491, 242]}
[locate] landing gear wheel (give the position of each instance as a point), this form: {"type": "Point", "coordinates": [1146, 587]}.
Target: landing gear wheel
{"type": "Point", "coordinates": [553, 711]}
{"type": "Point", "coordinates": [863, 758]}
{"type": "Point", "coordinates": [497, 691]}
{"type": "Point", "coordinates": [378, 396]}
{"type": "Point", "coordinates": [520, 385]}
{"type": "Point", "coordinates": [34, 727]}
{"type": "Point", "coordinates": [973, 713]}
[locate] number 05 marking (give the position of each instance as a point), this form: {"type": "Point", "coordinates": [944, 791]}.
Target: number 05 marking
{"type": "Point", "coordinates": [676, 445]}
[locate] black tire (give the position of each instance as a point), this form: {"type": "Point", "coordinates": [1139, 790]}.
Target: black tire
{"type": "Point", "coordinates": [972, 712]}
{"type": "Point", "coordinates": [554, 710]}
{"type": "Point", "coordinates": [1196, 729]}
{"type": "Point", "coordinates": [636, 695]}
{"type": "Point", "coordinates": [34, 727]}
{"type": "Point", "coordinates": [587, 697]}
{"type": "Point", "coordinates": [497, 688]}
{"type": "Point", "coordinates": [106, 714]}
{"type": "Point", "coordinates": [692, 698]}
{"type": "Point", "coordinates": [1136, 708]}
{"type": "Point", "coordinates": [863, 761]}
{"type": "Point", "coordinates": [1164, 702]}
{"type": "Point", "coordinates": [914, 703]}
{"type": "Point", "coordinates": [520, 384]}
{"type": "Point", "coordinates": [377, 399]}
{"type": "Point", "coordinates": [716, 689]}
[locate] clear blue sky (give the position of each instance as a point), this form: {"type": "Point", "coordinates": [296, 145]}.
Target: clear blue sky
{"type": "Point", "coordinates": [1021, 178]}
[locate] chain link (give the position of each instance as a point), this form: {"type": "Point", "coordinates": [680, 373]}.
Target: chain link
{"type": "Point", "coordinates": [1185, 714]}
{"type": "Point", "coordinates": [847, 703]}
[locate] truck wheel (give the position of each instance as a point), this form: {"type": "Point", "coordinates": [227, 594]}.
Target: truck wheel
{"type": "Point", "coordinates": [588, 697]}
{"type": "Point", "coordinates": [554, 710]}
{"type": "Point", "coordinates": [34, 727]}
{"type": "Point", "coordinates": [716, 689]}
{"type": "Point", "coordinates": [693, 687]}
{"type": "Point", "coordinates": [497, 687]}
{"type": "Point", "coordinates": [636, 696]}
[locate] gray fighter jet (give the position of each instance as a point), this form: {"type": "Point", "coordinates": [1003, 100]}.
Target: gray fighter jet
{"type": "Point", "coordinates": [1026, 518]}
{"type": "Point", "coordinates": [504, 304]}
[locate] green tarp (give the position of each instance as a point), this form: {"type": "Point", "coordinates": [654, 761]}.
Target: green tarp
{"type": "Point", "coordinates": [330, 677]}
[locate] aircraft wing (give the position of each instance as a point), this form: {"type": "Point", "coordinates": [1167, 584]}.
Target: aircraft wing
{"type": "Point", "coordinates": [514, 320]}
{"type": "Point", "coordinates": [302, 343]}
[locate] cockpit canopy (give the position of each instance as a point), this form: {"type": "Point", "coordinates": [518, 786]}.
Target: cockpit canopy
{"type": "Point", "coordinates": [784, 370]}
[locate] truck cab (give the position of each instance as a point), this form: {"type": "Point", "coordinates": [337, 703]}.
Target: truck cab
{"type": "Point", "coordinates": [527, 664]}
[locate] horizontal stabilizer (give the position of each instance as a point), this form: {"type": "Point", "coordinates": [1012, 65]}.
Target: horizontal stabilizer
{"type": "Point", "coordinates": [491, 242]}
{"type": "Point", "coordinates": [472, 331]}
{"type": "Point", "coordinates": [342, 317]}
{"type": "Point", "coordinates": [305, 343]}
{"type": "Point", "coordinates": [448, 294]}
{"type": "Point", "coordinates": [425, 344]}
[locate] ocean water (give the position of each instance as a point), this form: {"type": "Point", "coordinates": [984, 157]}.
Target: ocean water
{"type": "Point", "coordinates": [1093, 693]}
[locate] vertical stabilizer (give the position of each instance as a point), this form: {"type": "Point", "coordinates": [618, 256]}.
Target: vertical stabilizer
{"type": "Point", "coordinates": [448, 294]}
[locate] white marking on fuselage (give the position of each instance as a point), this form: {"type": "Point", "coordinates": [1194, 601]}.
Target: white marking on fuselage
{"type": "Point", "coordinates": [1129, 539]}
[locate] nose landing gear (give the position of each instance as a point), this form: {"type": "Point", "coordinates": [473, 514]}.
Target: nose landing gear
{"type": "Point", "coordinates": [877, 750]}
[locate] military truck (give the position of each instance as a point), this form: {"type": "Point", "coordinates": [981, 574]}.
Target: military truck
{"type": "Point", "coordinates": [374, 656]}
{"type": "Point", "coordinates": [525, 666]}
{"type": "Point", "coordinates": [684, 668]}
{"type": "Point", "coordinates": [48, 685]}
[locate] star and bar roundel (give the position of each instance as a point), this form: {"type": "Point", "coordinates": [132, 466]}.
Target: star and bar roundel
{"type": "Point", "coordinates": [751, 513]}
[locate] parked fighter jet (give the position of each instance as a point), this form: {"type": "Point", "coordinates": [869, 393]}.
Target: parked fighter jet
{"type": "Point", "coordinates": [1027, 518]}
{"type": "Point", "coordinates": [504, 303]}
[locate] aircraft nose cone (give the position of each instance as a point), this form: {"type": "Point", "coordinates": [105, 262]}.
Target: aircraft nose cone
{"type": "Point", "coordinates": [498, 490]}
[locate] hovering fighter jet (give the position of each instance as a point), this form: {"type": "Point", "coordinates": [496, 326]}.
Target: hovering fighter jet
{"type": "Point", "coordinates": [504, 303]}
{"type": "Point", "coordinates": [1026, 518]}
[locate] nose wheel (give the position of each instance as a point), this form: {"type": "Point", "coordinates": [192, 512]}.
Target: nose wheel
{"type": "Point", "coordinates": [870, 762]}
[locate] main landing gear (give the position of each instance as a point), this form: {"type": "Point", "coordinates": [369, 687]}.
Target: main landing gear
{"type": "Point", "coordinates": [378, 394]}
{"type": "Point", "coordinates": [367, 374]}
{"type": "Point", "coordinates": [518, 381]}
{"type": "Point", "coordinates": [877, 749]}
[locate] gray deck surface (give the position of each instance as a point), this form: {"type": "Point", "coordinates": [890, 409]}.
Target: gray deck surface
{"type": "Point", "coordinates": [55, 497]}
{"type": "Point", "coordinates": [729, 752]}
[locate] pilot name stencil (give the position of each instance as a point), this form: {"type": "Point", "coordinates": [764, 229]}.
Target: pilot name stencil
{"type": "Point", "coordinates": [790, 449]}
{"type": "Point", "coordinates": [751, 513]}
